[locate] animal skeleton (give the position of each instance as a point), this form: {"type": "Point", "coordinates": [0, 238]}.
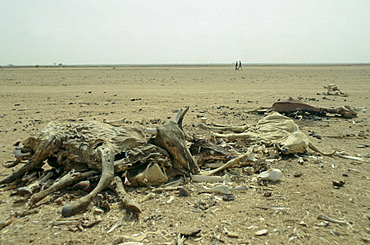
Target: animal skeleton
{"type": "Point", "coordinates": [334, 90]}
{"type": "Point", "coordinates": [278, 130]}
{"type": "Point", "coordinates": [82, 149]}
{"type": "Point", "coordinates": [291, 106]}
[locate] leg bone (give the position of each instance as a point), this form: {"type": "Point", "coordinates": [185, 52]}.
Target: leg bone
{"type": "Point", "coordinates": [64, 181]}
{"type": "Point", "coordinates": [105, 180]}
{"type": "Point", "coordinates": [127, 204]}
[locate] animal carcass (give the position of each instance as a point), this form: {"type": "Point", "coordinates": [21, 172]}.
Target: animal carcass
{"type": "Point", "coordinates": [278, 130]}
{"type": "Point", "coordinates": [81, 149]}
{"type": "Point", "coordinates": [334, 90]}
{"type": "Point", "coordinates": [293, 106]}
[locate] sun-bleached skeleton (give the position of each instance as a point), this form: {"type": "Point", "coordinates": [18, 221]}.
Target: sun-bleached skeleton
{"type": "Point", "coordinates": [278, 130]}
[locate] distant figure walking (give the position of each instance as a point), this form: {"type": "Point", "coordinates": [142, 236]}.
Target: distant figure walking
{"type": "Point", "coordinates": [240, 65]}
{"type": "Point", "coordinates": [236, 66]}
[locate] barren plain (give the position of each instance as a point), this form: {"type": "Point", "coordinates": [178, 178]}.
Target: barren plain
{"type": "Point", "coordinates": [285, 212]}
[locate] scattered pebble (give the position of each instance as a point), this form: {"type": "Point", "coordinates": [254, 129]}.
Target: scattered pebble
{"type": "Point", "coordinates": [338, 184]}
{"type": "Point", "coordinates": [317, 136]}
{"type": "Point", "coordinates": [228, 197]}
{"type": "Point", "coordinates": [183, 192]}
{"type": "Point", "coordinates": [262, 232]}
{"type": "Point", "coordinates": [302, 223]}
{"type": "Point", "coordinates": [232, 234]}
{"type": "Point", "coordinates": [297, 175]}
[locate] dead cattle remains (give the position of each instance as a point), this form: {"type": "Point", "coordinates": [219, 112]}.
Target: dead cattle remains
{"type": "Point", "coordinates": [180, 155]}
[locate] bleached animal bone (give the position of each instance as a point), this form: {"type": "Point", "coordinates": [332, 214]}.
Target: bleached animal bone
{"type": "Point", "coordinates": [126, 202]}
{"type": "Point", "coordinates": [298, 142]}
{"type": "Point", "coordinates": [36, 185]}
{"type": "Point", "coordinates": [204, 178]}
{"type": "Point", "coordinates": [152, 175]}
{"type": "Point", "coordinates": [334, 90]}
{"type": "Point", "coordinates": [106, 178]}
{"type": "Point", "coordinates": [232, 163]}
{"type": "Point", "coordinates": [66, 180]}
{"type": "Point", "coordinates": [100, 147]}
{"type": "Point", "coordinates": [224, 189]}
{"type": "Point", "coordinates": [326, 218]}
{"type": "Point", "coordinates": [278, 130]}
{"type": "Point", "coordinates": [272, 174]}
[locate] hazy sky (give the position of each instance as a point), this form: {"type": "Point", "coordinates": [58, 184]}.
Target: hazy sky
{"type": "Point", "coordinates": [188, 31]}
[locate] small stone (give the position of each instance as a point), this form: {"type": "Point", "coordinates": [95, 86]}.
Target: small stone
{"type": "Point", "coordinates": [317, 136]}
{"type": "Point", "coordinates": [183, 192]}
{"type": "Point", "coordinates": [297, 175]}
{"type": "Point", "coordinates": [338, 184]}
{"type": "Point", "coordinates": [262, 232]}
{"type": "Point", "coordinates": [267, 194]}
{"type": "Point", "coordinates": [302, 223]}
{"type": "Point", "coordinates": [232, 234]}
{"type": "Point", "coordinates": [228, 197]}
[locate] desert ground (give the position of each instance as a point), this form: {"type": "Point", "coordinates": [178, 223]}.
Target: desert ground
{"type": "Point", "coordinates": [284, 212]}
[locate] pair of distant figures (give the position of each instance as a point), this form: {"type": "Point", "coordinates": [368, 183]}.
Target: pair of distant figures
{"type": "Point", "coordinates": [238, 65]}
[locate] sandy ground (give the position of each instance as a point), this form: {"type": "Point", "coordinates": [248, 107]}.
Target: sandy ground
{"type": "Point", "coordinates": [32, 97]}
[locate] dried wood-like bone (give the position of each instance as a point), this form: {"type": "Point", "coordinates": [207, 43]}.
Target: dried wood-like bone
{"type": "Point", "coordinates": [292, 106]}
{"type": "Point", "coordinates": [83, 149]}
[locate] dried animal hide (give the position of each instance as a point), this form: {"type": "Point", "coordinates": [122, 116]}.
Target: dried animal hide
{"type": "Point", "coordinates": [278, 130]}
{"type": "Point", "coordinates": [293, 106]}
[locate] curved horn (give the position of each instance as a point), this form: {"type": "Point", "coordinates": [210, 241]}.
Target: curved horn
{"type": "Point", "coordinates": [18, 152]}
{"type": "Point", "coordinates": [314, 148]}
{"type": "Point", "coordinates": [180, 116]}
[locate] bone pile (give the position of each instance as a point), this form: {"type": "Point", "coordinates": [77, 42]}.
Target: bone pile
{"type": "Point", "coordinates": [94, 156]}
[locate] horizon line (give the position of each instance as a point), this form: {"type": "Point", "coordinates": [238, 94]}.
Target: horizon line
{"type": "Point", "coordinates": [184, 64]}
